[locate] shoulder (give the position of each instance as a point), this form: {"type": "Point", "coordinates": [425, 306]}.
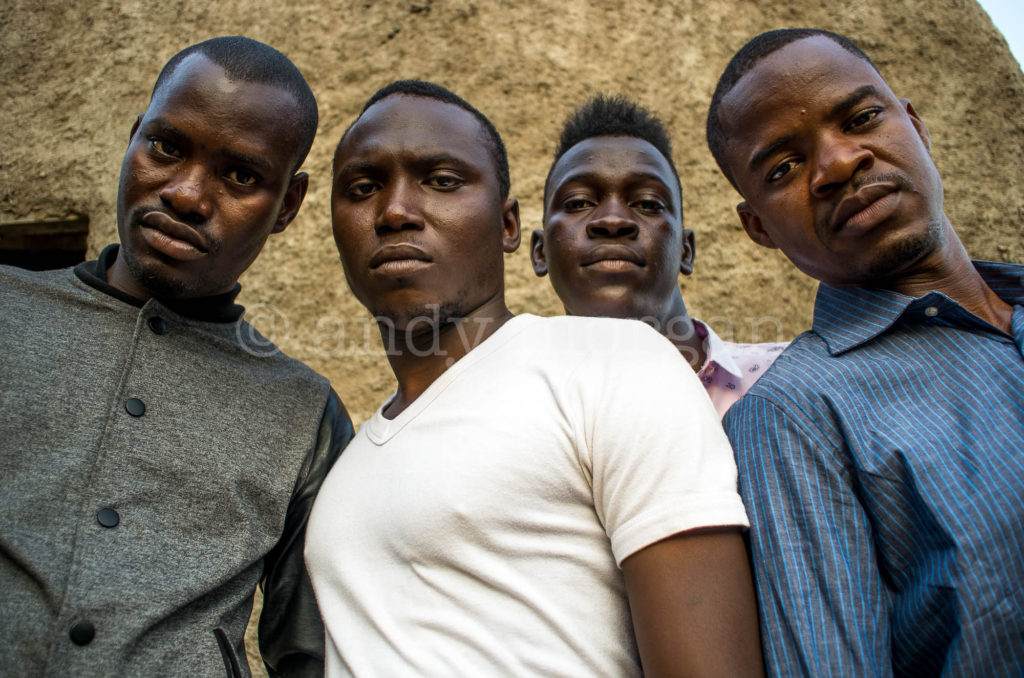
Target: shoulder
{"type": "Point", "coordinates": [793, 395]}
{"type": "Point", "coordinates": [796, 388]}
{"type": "Point", "coordinates": [600, 337]}
{"type": "Point", "coordinates": [791, 364]}
{"type": "Point", "coordinates": [272, 358]}
{"type": "Point", "coordinates": [19, 280]}
{"type": "Point", "coordinates": [31, 298]}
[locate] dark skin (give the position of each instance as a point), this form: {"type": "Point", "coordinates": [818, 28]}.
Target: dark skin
{"type": "Point", "coordinates": [207, 177]}
{"type": "Point", "coordinates": [692, 601]}
{"type": "Point", "coordinates": [420, 224]}
{"type": "Point", "coordinates": [613, 240]}
{"type": "Point", "coordinates": [840, 178]}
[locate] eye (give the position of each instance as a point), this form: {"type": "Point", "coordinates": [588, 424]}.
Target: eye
{"type": "Point", "coordinates": [444, 181]}
{"type": "Point", "coordinates": [862, 119]}
{"type": "Point", "coordinates": [240, 176]}
{"type": "Point", "coordinates": [650, 205]}
{"type": "Point", "coordinates": [164, 147]}
{"type": "Point", "coordinates": [361, 188]}
{"type": "Point", "coordinates": [781, 170]}
{"type": "Point", "coordinates": [577, 204]}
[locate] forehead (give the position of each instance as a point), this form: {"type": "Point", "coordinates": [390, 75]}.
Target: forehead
{"type": "Point", "coordinates": [610, 159]}
{"type": "Point", "coordinates": [805, 77]}
{"type": "Point", "coordinates": [200, 98]}
{"type": "Point", "coordinates": [415, 127]}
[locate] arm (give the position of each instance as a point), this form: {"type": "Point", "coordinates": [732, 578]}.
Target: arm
{"type": "Point", "coordinates": [291, 633]}
{"type": "Point", "coordinates": [692, 601]}
{"type": "Point", "coordinates": [664, 483]}
{"type": "Point", "coordinates": [824, 606]}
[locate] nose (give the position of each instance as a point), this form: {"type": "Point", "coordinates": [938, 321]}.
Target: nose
{"type": "Point", "coordinates": [401, 208]}
{"type": "Point", "coordinates": [612, 221]}
{"type": "Point", "coordinates": [839, 159]}
{"type": "Point", "coordinates": [187, 194]}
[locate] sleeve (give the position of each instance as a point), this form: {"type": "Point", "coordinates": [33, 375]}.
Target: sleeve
{"type": "Point", "coordinates": [660, 463]}
{"type": "Point", "coordinates": [822, 600]}
{"type": "Point", "coordinates": [291, 634]}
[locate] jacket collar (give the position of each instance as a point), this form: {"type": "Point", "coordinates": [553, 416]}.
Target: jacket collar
{"type": "Point", "coordinates": [220, 308]}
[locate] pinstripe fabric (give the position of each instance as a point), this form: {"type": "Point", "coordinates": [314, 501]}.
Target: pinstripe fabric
{"type": "Point", "coordinates": [881, 461]}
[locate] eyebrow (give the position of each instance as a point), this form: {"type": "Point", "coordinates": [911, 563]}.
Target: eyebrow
{"type": "Point", "coordinates": [369, 166]}
{"type": "Point", "coordinates": [250, 160]}
{"type": "Point", "coordinates": [240, 157]}
{"type": "Point", "coordinates": [848, 102]}
{"type": "Point", "coordinates": [592, 176]}
{"type": "Point", "coordinates": [858, 95]}
{"type": "Point", "coordinates": [441, 159]}
{"type": "Point", "coordinates": [769, 151]}
{"type": "Point", "coordinates": [636, 176]}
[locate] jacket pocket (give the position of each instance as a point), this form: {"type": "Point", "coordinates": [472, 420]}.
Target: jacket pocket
{"type": "Point", "coordinates": [227, 650]}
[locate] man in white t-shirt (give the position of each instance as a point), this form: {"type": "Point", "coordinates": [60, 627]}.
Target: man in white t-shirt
{"type": "Point", "coordinates": [614, 242]}
{"type": "Point", "coordinates": [532, 501]}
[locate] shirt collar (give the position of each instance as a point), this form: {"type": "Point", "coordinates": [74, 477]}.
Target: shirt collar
{"type": "Point", "coordinates": [715, 350]}
{"type": "Point", "coordinates": [219, 308]}
{"type": "Point", "coordinates": [846, 317]}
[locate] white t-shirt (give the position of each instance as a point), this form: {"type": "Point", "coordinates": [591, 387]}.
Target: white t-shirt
{"type": "Point", "coordinates": [480, 532]}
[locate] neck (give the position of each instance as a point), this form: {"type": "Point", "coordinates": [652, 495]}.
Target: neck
{"type": "Point", "coordinates": [948, 269]}
{"type": "Point", "coordinates": [677, 326]}
{"type": "Point", "coordinates": [419, 358]}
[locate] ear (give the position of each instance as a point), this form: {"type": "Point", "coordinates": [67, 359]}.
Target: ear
{"type": "Point", "coordinates": [753, 226]}
{"type": "Point", "coordinates": [689, 252]}
{"type": "Point", "coordinates": [135, 128]}
{"type": "Point", "coordinates": [293, 197]}
{"type": "Point", "coordinates": [510, 230]}
{"type": "Point", "coordinates": [915, 119]}
{"type": "Point", "coordinates": [537, 258]}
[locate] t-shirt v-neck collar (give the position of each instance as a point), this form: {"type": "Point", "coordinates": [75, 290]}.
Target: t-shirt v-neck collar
{"type": "Point", "coordinates": [379, 429]}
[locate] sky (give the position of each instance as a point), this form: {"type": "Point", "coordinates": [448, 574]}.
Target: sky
{"type": "Point", "coordinates": [1008, 16]}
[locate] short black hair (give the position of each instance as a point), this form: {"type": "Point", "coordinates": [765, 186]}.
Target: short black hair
{"type": "Point", "coordinates": [430, 90]}
{"type": "Point", "coordinates": [744, 60]}
{"type": "Point", "coordinates": [249, 60]}
{"type": "Point", "coordinates": [613, 115]}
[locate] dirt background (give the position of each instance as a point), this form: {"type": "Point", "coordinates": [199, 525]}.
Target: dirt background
{"type": "Point", "coordinates": [76, 74]}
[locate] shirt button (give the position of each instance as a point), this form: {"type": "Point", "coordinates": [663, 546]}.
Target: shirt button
{"type": "Point", "coordinates": [931, 311]}
{"type": "Point", "coordinates": [135, 407]}
{"type": "Point", "coordinates": [157, 324]}
{"type": "Point", "coordinates": [82, 633]}
{"type": "Point", "coordinates": [108, 517]}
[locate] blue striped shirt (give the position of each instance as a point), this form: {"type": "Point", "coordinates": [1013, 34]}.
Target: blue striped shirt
{"type": "Point", "coordinates": [881, 462]}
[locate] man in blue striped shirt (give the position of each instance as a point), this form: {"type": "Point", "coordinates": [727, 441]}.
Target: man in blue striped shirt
{"type": "Point", "coordinates": [882, 457]}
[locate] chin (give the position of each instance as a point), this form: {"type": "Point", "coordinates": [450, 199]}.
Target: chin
{"type": "Point", "coordinates": [417, 318]}
{"type": "Point", "coordinates": [618, 307]}
{"type": "Point", "coordinates": [159, 284]}
{"type": "Point", "coordinates": [896, 257]}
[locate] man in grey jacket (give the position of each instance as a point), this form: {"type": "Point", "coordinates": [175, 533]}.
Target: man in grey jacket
{"type": "Point", "coordinates": [159, 457]}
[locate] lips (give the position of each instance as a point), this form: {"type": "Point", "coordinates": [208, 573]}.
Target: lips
{"type": "Point", "coordinates": [398, 258]}
{"type": "Point", "coordinates": [603, 253]}
{"type": "Point", "coordinates": [171, 237]}
{"type": "Point", "coordinates": [862, 205]}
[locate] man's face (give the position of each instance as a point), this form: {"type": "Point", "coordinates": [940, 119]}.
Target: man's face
{"type": "Point", "coordinates": [207, 177]}
{"type": "Point", "coordinates": [835, 170]}
{"type": "Point", "coordinates": [418, 216]}
{"type": "Point", "coordinates": [613, 240]}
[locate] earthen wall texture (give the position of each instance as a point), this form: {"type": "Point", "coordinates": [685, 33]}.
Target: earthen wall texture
{"type": "Point", "coordinates": [75, 75]}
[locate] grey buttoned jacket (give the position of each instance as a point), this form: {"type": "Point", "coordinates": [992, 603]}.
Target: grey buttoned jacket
{"type": "Point", "coordinates": [155, 468]}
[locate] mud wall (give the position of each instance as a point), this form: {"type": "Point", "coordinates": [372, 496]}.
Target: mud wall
{"type": "Point", "coordinates": [76, 74]}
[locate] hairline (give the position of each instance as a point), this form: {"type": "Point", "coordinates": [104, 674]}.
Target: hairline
{"type": "Point", "coordinates": [483, 135]}
{"type": "Point", "coordinates": [717, 141]}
